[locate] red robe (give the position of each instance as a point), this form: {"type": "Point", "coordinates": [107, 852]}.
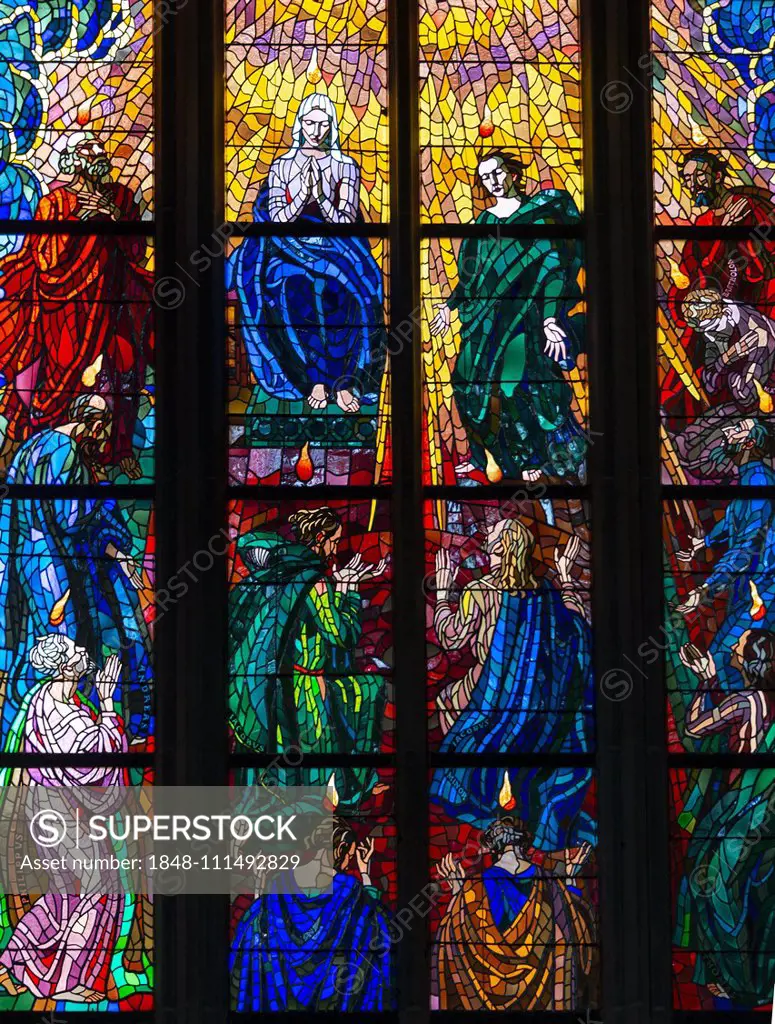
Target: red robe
{"type": "Point", "coordinates": [706, 264]}
{"type": "Point", "coordinates": [66, 299]}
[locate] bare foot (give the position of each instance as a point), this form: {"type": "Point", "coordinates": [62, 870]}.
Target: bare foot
{"type": "Point", "coordinates": [10, 986]}
{"type": "Point", "coordinates": [347, 401]}
{"type": "Point", "coordinates": [379, 788]}
{"type": "Point", "coordinates": [82, 994]}
{"type": "Point", "coordinates": [464, 468]}
{"type": "Point", "coordinates": [531, 475]}
{"type": "Point", "coordinates": [317, 398]}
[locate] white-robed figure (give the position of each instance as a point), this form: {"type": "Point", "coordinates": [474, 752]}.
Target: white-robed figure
{"type": "Point", "coordinates": [63, 946]}
{"type": "Point", "coordinates": [311, 308]}
{"type": "Point", "coordinates": [314, 172]}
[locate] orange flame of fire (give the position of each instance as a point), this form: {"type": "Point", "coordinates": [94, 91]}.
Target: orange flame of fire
{"type": "Point", "coordinates": [305, 467]}
{"type": "Point", "coordinates": [486, 128]}
{"type": "Point", "coordinates": [56, 618]}
{"type": "Point", "coordinates": [680, 280]}
{"type": "Point", "coordinates": [83, 114]}
{"type": "Point", "coordinates": [493, 471]}
{"type": "Point", "coordinates": [314, 74]}
{"type": "Point", "coordinates": [506, 797]}
{"type": "Point", "coordinates": [758, 607]}
{"type": "Point", "coordinates": [765, 398]}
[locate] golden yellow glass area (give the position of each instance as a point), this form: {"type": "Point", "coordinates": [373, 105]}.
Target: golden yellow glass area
{"type": "Point", "coordinates": [337, 49]}
{"type": "Point", "coordinates": [499, 75]}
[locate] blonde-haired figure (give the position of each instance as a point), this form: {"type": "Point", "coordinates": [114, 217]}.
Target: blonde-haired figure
{"type": "Point", "coordinates": [529, 689]}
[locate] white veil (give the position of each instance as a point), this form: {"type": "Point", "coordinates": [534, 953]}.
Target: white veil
{"type": "Point", "coordinates": [316, 101]}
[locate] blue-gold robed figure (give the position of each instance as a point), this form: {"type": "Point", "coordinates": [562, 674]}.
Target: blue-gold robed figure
{"type": "Point", "coordinates": [534, 695]}
{"type": "Point", "coordinates": [58, 574]}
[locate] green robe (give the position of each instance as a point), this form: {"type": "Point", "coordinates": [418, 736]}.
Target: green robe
{"type": "Point", "coordinates": [725, 902]}
{"type": "Point", "coordinates": [292, 686]}
{"type": "Point", "coordinates": [512, 397]}
{"type": "Point", "coordinates": [725, 908]}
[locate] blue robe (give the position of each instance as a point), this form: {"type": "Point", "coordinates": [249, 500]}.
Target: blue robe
{"type": "Point", "coordinates": [50, 545]}
{"type": "Point", "coordinates": [534, 695]}
{"type": "Point", "coordinates": [311, 311]}
{"type": "Point", "coordinates": [297, 951]}
{"type": "Point", "coordinates": [748, 531]}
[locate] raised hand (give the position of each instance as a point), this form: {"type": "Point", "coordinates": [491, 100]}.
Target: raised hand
{"type": "Point", "coordinates": [556, 340]}
{"type": "Point", "coordinates": [575, 859]}
{"type": "Point", "coordinates": [374, 569]}
{"type": "Point", "coordinates": [697, 542]}
{"type": "Point", "coordinates": [735, 212]}
{"type": "Point", "coordinates": [444, 574]}
{"type": "Point", "coordinates": [449, 870]}
{"type": "Point", "coordinates": [567, 559]}
{"type": "Point", "coordinates": [440, 322]}
{"type": "Point", "coordinates": [108, 678]}
{"type": "Point", "coordinates": [131, 467]}
{"type": "Point", "coordinates": [703, 665]}
{"type": "Point", "coordinates": [364, 851]}
{"type": "Point", "coordinates": [130, 570]}
{"type": "Point", "coordinates": [351, 572]}
{"type": "Point", "coordinates": [692, 601]}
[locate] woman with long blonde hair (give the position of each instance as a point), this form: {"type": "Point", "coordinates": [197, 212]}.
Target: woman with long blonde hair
{"type": "Point", "coordinates": [529, 690]}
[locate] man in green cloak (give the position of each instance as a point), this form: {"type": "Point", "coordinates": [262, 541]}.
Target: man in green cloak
{"type": "Point", "coordinates": [519, 330]}
{"type": "Point", "coordinates": [294, 631]}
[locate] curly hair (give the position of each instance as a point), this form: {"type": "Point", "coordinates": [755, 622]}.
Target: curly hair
{"type": "Point", "coordinates": [84, 409]}
{"type": "Point", "coordinates": [515, 571]}
{"type": "Point", "coordinates": [49, 653]}
{"type": "Point", "coordinates": [710, 299]}
{"type": "Point", "coordinates": [69, 161]}
{"type": "Point", "coordinates": [507, 831]}
{"type": "Point", "coordinates": [309, 523]}
{"type": "Point", "coordinates": [704, 156]}
{"type": "Point", "coordinates": [342, 839]}
{"type": "Point", "coordinates": [759, 659]}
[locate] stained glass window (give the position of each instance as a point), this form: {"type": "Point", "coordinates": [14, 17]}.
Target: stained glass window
{"type": "Point", "coordinates": [713, 168]}
{"type": "Point", "coordinates": [311, 698]}
{"type": "Point", "coordinates": [310, 358]}
{"type": "Point", "coordinates": [77, 414]}
{"type": "Point", "coordinates": [500, 135]}
{"type": "Point", "coordinates": [306, 145]}
{"type": "Point", "coordinates": [510, 676]}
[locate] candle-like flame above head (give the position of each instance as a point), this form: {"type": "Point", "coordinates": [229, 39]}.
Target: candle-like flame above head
{"type": "Point", "coordinates": [83, 114]}
{"type": "Point", "coordinates": [57, 616]}
{"type": "Point", "coordinates": [305, 467]}
{"type": "Point", "coordinates": [506, 797]}
{"type": "Point", "coordinates": [492, 470]}
{"type": "Point", "coordinates": [332, 794]}
{"type": "Point", "coordinates": [758, 607]}
{"type": "Point", "coordinates": [90, 374]}
{"type": "Point", "coordinates": [487, 127]}
{"type": "Point", "coordinates": [314, 74]}
{"type": "Point", "coordinates": [680, 280]}
{"type": "Point", "coordinates": [698, 136]}
{"type": "Point", "coordinates": [765, 398]}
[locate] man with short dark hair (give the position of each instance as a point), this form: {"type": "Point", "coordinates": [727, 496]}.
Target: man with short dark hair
{"type": "Point", "coordinates": [534, 929]}
{"type": "Point", "coordinates": [272, 965]}
{"type": "Point", "coordinates": [520, 310]}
